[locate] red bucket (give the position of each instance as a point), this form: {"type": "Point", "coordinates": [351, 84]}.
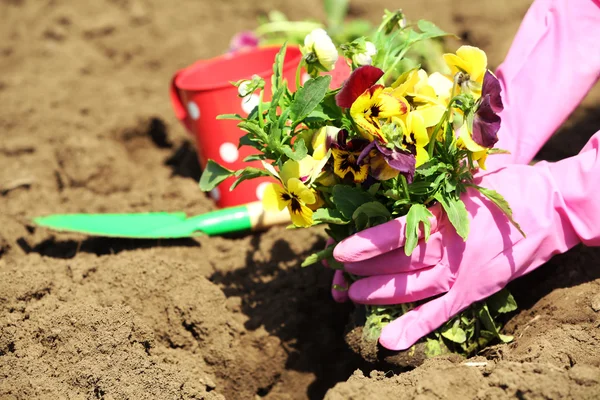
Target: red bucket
{"type": "Point", "coordinates": [202, 91]}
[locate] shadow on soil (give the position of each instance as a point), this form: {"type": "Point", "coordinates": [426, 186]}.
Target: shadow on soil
{"type": "Point", "coordinates": [295, 304]}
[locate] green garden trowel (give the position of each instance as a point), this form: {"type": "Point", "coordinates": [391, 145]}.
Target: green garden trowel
{"type": "Point", "coordinates": [166, 225]}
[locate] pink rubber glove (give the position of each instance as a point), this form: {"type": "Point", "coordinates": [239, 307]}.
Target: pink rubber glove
{"type": "Point", "coordinates": [553, 62]}
{"type": "Point", "coordinates": [556, 204]}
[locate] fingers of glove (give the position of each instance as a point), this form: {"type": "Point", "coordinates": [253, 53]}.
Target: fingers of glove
{"type": "Point", "coordinates": [402, 288]}
{"type": "Point", "coordinates": [379, 239]}
{"type": "Point", "coordinates": [337, 288]}
{"type": "Point", "coordinates": [405, 331]}
{"type": "Point", "coordinates": [396, 261]}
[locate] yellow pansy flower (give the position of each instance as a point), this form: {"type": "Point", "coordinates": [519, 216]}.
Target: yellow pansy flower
{"type": "Point", "coordinates": [470, 60]}
{"type": "Point", "coordinates": [293, 194]}
{"type": "Point", "coordinates": [373, 106]}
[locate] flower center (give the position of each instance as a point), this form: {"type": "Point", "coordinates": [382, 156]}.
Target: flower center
{"type": "Point", "coordinates": [295, 205]}
{"type": "Point", "coordinates": [375, 110]}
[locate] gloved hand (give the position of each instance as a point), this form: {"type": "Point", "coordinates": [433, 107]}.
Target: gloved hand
{"type": "Point", "coordinates": [550, 67]}
{"type": "Point", "coordinates": [556, 204]}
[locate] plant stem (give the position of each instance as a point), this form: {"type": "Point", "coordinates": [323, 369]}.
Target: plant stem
{"type": "Point", "coordinates": [300, 64]}
{"type": "Point", "coordinates": [260, 110]}
{"type": "Point", "coordinates": [404, 184]}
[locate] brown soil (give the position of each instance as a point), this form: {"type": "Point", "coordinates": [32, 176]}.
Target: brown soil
{"type": "Point", "coordinates": [86, 126]}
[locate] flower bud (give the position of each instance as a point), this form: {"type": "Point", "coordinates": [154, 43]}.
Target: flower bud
{"type": "Point", "coordinates": [366, 57]}
{"type": "Point", "coordinates": [320, 45]}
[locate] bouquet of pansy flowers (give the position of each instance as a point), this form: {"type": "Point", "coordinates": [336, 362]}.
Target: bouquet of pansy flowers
{"type": "Point", "coordinates": [392, 141]}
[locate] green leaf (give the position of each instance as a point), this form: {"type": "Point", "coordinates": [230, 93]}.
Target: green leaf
{"type": "Point", "coordinates": [431, 167]}
{"type": "Point", "coordinates": [430, 30]}
{"type": "Point", "coordinates": [433, 348]}
{"type": "Point", "coordinates": [212, 175]}
{"type": "Point", "coordinates": [455, 333]}
{"type": "Point", "coordinates": [490, 325]}
{"type": "Point", "coordinates": [372, 209]}
{"type": "Point", "coordinates": [275, 103]}
{"type": "Point", "coordinates": [318, 256]}
{"type": "Point", "coordinates": [248, 173]}
{"type": "Point", "coordinates": [361, 222]}
{"type": "Point", "coordinates": [254, 157]}
{"type": "Point", "coordinates": [300, 150]}
{"type": "Point", "coordinates": [254, 128]}
{"type": "Point", "coordinates": [501, 302]}
{"type": "Point", "coordinates": [329, 216]}
{"type": "Point", "coordinates": [417, 215]}
{"type": "Point", "coordinates": [502, 204]}
{"type": "Point", "coordinates": [456, 211]}
{"type": "Point", "coordinates": [248, 140]}
{"type": "Point", "coordinates": [348, 199]}
{"type": "Point", "coordinates": [308, 97]}
{"type": "Point", "coordinates": [277, 78]}
{"type": "Point", "coordinates": [237, 117]}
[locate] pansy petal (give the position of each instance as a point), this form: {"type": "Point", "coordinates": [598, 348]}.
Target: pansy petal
{"type": "Point", "coordinates": [290, 169]}
{"type": "Point", "coordinates": [273, 198]}
{"type": "Point", "coordinates": [391, 106]}
{"type": "Point", "coordinates": [299, 189]}
{"type": "Point", "coordinates": [421, 157]}
{"type": "Point", "coordinates": [476, 61]}
{"type": "Point", "coordinates": [432, 114]}
{"type": "Point", "coordinates": [366, 152]}
{"type": "Point", "coordinates": [441, 84]}
{"type": "Point", "coordinates": [301, 215]}
{"type": "Point", "coordinates": [480, 157]}
{"type": "Point", "coordinates": [360, 80]}
{"type": "Point", "coordinates": [468, 142]}
{"type": "Point", "coordinates": [491, 87]}
{"type": "Point", "coordinates": [486, 124]}
{"type": "Point", "coordinates": [485, 133]}
{"type": "Point", "coordinates": [417, 126]}
{"type": "Point", "coordinates": [455, 63]}
{"type": "Point", "coordinates": [380, 169]}
{"type": "Point", "coordinates": [400, 160]}
{"type": "Point", "coordinates": [306, 167]}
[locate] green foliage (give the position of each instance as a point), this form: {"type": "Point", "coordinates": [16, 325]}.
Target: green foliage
{"type": "Point", "coordinates": [456, 211]}
{"type": "Point", "coordinates": [308, 97]}
{"type": "Point", "coordinates": [212, 175]}
{"type": "Point", "coordinates": [417, 215]}
{"type": "Point", "coordinates": [502, 204]}
{"type": "Point", "coordinates": [329, 216]}
{"type": "Point", "coordinates": [248, 173]}
{"type": "Point", "coordinates": [347, 199]}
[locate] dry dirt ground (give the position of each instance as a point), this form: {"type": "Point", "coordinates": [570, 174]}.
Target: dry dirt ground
{"type": "Point", "coordinates": [86, 126]}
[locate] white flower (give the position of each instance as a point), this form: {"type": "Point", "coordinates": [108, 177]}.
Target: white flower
{"type": "Point", "coordinates": [319, 43]}
{"type": "Point", "coordinates": [365, 58]}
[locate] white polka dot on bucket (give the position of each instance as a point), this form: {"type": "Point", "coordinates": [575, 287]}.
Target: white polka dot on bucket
{"type": "Point", "coordinates": [229, 152]}
{"type": "Point", "coordinates": [193, 110]}
{"type": "Point", "coordinates": [260, 190]}
{"type": "Point", "coordinates": [249, 102]}
{"type": "Point", "coordinates": [215, 194]}
{"type": "Point", "coordinates": [305, 78]}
